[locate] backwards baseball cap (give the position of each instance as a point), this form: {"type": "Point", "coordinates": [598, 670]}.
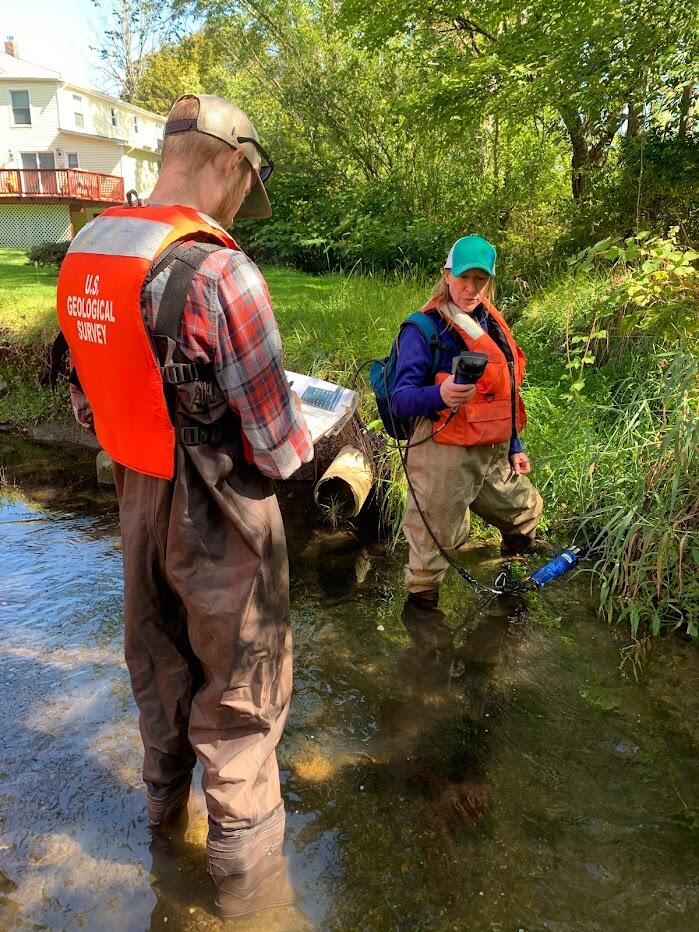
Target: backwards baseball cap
{"type": "Point", "coordinates": [221, 118]}
{"type": "Point", "coordinates": [471, 252]}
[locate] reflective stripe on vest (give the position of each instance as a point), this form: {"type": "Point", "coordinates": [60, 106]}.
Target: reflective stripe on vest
{"type": "Point", "coordinates": [99, 312]}
{"type": "Point", "coordinates": [487, 417]}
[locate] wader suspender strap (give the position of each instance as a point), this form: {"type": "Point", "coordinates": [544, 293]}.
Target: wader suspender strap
{"type": "Point", "coordinates": [185, 261]}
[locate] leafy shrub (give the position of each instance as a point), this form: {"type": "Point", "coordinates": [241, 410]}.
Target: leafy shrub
{"type": "Point", "coordinates": [654, 287]}
{"type": "Point", "coordinates": [649, 299]}
{"type": "Point", "coordinates": [48, 253]}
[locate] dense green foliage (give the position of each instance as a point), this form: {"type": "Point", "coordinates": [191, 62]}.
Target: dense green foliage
{"type": "Point", "coordinates": [48, 253]}
{"type": "Point", "coordinates": [617, 344]}
{"type": "Point", "coordinates": [396, 126]}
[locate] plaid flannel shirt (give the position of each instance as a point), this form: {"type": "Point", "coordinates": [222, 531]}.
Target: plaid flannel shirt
{"type": "Point", "coordinates": [228, 321]}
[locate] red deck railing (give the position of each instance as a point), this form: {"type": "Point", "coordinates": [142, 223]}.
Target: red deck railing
{"type": "Point", "coordinates": [60, 183]}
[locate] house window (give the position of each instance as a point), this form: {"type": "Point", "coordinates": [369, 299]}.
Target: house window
{"type": "Point", "coordinates": [44, 181]}
{"type": "Point", "coordinates": [43, 160]}
{"type": "Point", "coordinates": [73, 160]}
{"type": "Point", "coordinates": [21, 112]}
{"type": "Point", "coordinates": [78, 111]}
{"type": "Point", "coordinates": [135, 123]}
{"type": "Point", "coordinates": [113, 113]}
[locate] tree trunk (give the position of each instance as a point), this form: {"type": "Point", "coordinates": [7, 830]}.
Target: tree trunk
{"type": "Point", "coordinates": [580, 160]}
{"type": "Point", "coordinates": [633, 124]}
{"type": "Point", "coordinates": [588, 154]}
{"type": "Point", "coordinates": [495, 137]}
{"type": "Point", "coordinates": [685, 111]}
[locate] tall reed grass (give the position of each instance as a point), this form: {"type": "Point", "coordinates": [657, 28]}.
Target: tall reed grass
{"type": "Point", "coordinates": [620, 476]}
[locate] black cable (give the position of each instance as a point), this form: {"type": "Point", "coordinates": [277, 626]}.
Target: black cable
{"type": "Point", "coordinates": [353, 387]}
{"type": "Point", "coordinates": [367, 362]}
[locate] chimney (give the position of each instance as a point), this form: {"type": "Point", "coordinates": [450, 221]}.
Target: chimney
{"type": "Point", "coordinates": [11, 47]}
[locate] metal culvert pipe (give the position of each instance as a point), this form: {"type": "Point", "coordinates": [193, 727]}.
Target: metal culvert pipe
{"type": "Point", "coordinates": [345, 485]}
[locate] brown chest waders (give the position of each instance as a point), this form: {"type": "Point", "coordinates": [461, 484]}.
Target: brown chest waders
{"type": "Point", "coordinates": [206, 606]}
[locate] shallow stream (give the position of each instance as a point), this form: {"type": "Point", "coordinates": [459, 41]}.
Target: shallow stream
{"type": "Point", "coordinates": [521, 781]}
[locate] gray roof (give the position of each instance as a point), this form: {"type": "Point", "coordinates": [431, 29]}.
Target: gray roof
{"type": "Point", "coordinates": [18, 69]}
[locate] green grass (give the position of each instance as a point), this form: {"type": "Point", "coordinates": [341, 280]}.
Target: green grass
{"type": "Point", "coordinates": [329, 323]}
{"type": "Point", "coordinates": [27, 327]}
{"type": "Point", "coordinates": [332, 324]}
{"type": "Point", "coordinates": [27, 300]}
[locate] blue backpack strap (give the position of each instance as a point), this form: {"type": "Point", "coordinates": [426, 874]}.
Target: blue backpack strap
{"type": "Point", "coordinates": [430, 334]}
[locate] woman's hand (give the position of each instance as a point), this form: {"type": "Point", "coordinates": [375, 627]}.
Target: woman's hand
{"type": "Point", "coordinates": [454, 395]}
{"type": "Point", "coordinates": [520, 464]}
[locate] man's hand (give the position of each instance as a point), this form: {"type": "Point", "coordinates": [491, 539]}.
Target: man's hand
{"type": "Point", "coordinates": [297, 401]}
{"type": "Point", "coordinates": [454, 395]}
{"type": "Point", "coordinates": [520, 464]}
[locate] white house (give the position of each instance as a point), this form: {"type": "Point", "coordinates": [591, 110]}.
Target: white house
{"type": "Point", "coordinates": [66, 152]}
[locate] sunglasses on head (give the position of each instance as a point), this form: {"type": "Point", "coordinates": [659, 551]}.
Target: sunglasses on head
{"type": "Point", "coordinates": [267, 166]}
{"type": "Point", "coordinates": [182, 126]}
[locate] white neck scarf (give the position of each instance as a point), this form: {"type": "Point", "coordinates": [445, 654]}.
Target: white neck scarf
{"type": "Point", "coordinates": [464, 321]}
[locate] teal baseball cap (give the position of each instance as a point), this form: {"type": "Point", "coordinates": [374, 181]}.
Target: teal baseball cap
{"type": "Point", "coordinates": [471, 252]}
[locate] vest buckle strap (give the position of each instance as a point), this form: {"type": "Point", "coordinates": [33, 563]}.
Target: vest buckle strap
{"type": "Point", "coordinates": [179, 373]}
{"type": "Point", "coordinates": [193, 436]}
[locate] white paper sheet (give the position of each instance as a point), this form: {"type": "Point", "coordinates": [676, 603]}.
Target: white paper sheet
{"type": "Point", "coordinates": [326, 406]}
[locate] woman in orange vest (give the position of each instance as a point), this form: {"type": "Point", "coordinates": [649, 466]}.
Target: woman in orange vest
{"type": "Point", "coordinates": [466, 453]}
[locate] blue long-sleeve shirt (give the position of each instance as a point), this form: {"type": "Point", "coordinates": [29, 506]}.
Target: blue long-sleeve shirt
{"type": "Point", "coordinates": [414, 394]}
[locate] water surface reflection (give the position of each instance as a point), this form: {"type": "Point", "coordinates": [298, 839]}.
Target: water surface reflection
{"type": "Point", "coordinates": [514, 780]}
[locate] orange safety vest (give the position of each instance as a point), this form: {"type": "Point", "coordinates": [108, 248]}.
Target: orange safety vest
{"type": "Point", "coordinates": [487, 417]}
{"type": "Point", "coordinates": [100, 315]}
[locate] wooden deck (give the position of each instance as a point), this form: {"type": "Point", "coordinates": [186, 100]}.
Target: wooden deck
{"type": "Point", "coordinates": [19, 185]}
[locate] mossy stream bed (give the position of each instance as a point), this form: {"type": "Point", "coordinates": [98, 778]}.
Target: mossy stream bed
{"type": "Point", "coordinates": [521, 780]}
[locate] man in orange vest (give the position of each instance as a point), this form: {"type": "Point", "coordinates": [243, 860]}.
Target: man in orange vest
{"type": "Point", "coordinates": [178, 369]}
